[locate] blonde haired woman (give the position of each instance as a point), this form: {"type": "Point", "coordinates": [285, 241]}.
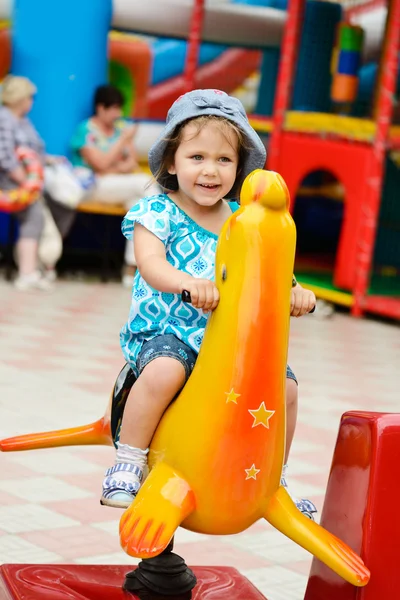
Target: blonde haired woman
{"type": "Point", "coordinates": [16, 130]}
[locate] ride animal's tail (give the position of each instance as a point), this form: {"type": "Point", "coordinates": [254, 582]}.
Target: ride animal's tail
{"type": "Point", "coordinates": [97, 433]}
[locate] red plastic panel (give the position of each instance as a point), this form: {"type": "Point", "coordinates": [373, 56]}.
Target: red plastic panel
{"type": "Point", "coordinates": [362, 507]}
{"type": "Point", "coordinates": [299, 155]}
{"type": "Point", "coordinates": [87, 582]}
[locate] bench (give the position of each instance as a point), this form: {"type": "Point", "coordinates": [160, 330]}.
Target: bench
{"type": "Point", "coordinates": [114, 210]}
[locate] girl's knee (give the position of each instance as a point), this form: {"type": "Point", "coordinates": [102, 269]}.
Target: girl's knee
{"type": "Point", "coordinates": [164, 376]}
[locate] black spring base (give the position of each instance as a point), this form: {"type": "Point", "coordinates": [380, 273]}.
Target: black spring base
{"type": "Point", "coordinates": [164, 576]}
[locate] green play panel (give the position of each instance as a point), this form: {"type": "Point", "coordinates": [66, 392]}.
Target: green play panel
{"type": "Point", "coordinates": [322, 283]}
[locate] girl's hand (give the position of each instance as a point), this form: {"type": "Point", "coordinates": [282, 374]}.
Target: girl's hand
{"type": "Point", "coordinates": [203, 292]}
{"type": "Point", "coordinates": [301, 301]}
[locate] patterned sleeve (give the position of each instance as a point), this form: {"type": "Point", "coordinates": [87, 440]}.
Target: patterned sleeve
{"type": "Point", "coordinates": [8, 159]}
{"type": "Point", "coordinates": [154, 213]}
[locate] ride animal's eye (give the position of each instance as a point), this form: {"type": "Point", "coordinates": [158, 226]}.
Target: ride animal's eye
{"type": "Point", "coordinates": [223, 272]}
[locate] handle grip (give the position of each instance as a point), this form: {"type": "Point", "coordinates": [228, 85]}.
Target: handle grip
{"type": "Point", "coordinates": [186, 298]}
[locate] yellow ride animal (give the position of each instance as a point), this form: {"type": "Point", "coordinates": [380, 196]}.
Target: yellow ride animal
{"type": "Point", "coordinates": [216, 457]}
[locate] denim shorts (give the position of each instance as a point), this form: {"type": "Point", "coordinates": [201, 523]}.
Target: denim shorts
{"type": "Point", "coordinates": [170, 346]}
{"type": "Point", "coordinates": [290, 374]}
{"type": "Point", "coordinates": [167, 346]}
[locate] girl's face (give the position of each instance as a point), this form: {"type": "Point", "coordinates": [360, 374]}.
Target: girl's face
{"type": "Point", "coordinates": [205, 163]}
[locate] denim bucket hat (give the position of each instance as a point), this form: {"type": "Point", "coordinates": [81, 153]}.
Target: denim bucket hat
{"type": "Point", "coordinates": [208, 102]}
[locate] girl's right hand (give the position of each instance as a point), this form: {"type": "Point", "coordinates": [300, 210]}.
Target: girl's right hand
{"type": "Point", "coordinates": [203, 292]}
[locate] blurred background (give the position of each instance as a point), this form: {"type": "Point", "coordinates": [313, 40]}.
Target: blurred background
{"type": "Point", "coordinates": [309, 77]}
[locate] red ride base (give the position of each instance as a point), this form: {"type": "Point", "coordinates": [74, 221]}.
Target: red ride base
{"type": "Point", "coordinates": [362, 507]}
{"type": "Point", "coordinates": [94, 582]}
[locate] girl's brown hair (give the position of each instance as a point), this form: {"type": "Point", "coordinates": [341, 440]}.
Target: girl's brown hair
{"type": "Point", "coordinates": [173, 142]}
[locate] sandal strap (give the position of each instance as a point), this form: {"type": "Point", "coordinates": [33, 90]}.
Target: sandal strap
{"type": "Point", "coordinates": [305, 505]}
{"type": "Point", "coordinates": [112, 482]}
{"type": "Point", "coordinates": [127, 468]}
{"type": "Point", "coordinates": [111, 486]}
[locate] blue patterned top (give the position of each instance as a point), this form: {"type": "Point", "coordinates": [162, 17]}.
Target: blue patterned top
{"type": "Point", "coordinates": [189, 248]}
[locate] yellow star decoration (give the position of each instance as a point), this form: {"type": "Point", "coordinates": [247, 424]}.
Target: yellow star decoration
{"type": "Point", "coordinates": [252, 472]}
{"type": "Point", "coordinates": [231, 396]}
{"type": "Point", "coordinates": [261, 416]}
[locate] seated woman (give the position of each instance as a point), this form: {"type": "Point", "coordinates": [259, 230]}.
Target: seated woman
{"type": "Point", "coordinates": [17, 130]}
{"type": "Point", "coordinates": [104, 143]}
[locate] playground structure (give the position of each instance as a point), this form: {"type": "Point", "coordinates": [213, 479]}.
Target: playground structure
{"type": "Point", "coordinates": [293, 116]}
{"type": "Point", "coordinates": [298, 150]}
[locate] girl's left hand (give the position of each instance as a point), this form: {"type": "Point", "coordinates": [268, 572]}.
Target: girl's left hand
{"type": "Point", "coordinates": [301, 301]}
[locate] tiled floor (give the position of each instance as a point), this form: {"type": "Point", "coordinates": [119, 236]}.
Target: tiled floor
{"type": "Point", "coordinates": [59, 356]}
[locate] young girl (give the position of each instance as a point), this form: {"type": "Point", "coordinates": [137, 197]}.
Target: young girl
{"type": "Point", "coordinates": [202, 157]}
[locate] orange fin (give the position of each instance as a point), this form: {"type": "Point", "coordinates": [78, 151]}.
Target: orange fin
{"type": "Point", "coordinates": [282, 513]}
{"type": "Point", "coordinates": [163, 502]}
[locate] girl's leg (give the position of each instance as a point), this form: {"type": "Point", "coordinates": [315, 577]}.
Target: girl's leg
{"type": "Point", "coordinates": [303, 504]}
{"type": "Point", "coordinates": [154, 390]}
{"type": "Point", "coordinates": [291, 413]}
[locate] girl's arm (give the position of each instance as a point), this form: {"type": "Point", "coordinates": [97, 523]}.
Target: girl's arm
{"type": "Point", "coordinates": [156, 270]}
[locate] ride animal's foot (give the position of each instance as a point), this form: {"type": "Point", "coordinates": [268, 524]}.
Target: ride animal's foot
{"type": "Point", "coordinates": [121, 484]}
{"type": "Point", "coordinates": [148, 525]}
{"type": "Point", "coordinates": [33, 281]}
{"type": "Point", "coordinates": [304, 505]}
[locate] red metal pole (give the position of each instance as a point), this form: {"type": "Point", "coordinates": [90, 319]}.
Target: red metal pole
{"type": "Point", "coordinates": [193, 47]}
{"type": "Point", "coordinates": [287, 66]}
{"type": "Point", "coordinates": [371, 203]}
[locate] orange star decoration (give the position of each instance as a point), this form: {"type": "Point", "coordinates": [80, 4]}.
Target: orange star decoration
{"type": "Point", "coordinates": [261, 416]}
{"type": "Point", "coordinates": [252, 472]}
{"type": "Point", "coordinates": [231, 396]}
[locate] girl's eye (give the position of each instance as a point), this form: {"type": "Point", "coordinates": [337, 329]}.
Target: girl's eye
{"type": "Point", "coordinates": [225, 159]}
{"type": "Point", "coordinates": [197, 157]}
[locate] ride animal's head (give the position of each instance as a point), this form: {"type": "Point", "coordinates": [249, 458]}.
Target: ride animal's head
{"type": "Point", "coordinates": [266, 188]}
{"type": "Point", "coordinates": [257, 238]}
